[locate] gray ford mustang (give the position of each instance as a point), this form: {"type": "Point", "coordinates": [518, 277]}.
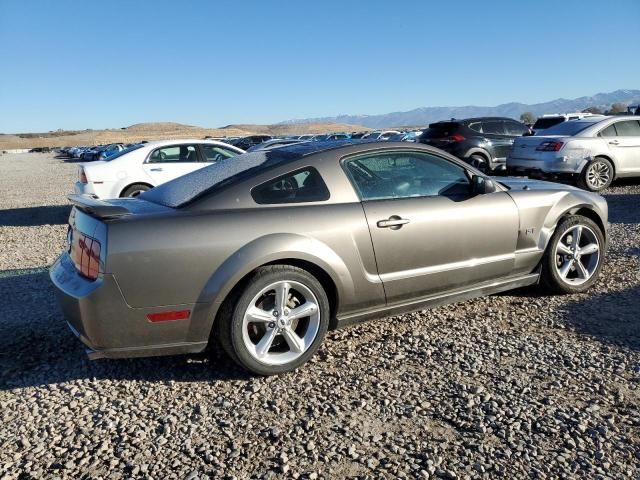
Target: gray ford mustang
{"type": "Point", "coordinates": [266, 251]}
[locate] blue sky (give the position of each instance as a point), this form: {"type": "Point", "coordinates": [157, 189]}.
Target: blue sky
{"type": "Point", "coordinates": [109, 64]}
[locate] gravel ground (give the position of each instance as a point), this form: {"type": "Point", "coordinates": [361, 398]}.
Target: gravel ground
{"type": "Point", "coordinates": [511, 386]}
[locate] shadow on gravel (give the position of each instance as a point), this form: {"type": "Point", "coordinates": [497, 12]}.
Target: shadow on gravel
{"type": "Point", "coordinates": [37, 348]}
{"type": "Point", "coordinates": [35, 216]}
{"type": "Point", "coordinates": [623, 208]}
{"type": "Point", "coordinates": [609, 317]}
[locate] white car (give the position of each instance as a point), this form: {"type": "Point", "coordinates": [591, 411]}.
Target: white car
{"type": "Point", "coordinates": [142, 167]}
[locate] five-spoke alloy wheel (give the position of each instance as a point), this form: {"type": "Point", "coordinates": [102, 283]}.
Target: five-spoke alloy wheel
{"type": "Point", "coordinates": [573, 259]}
{"type": "Point", "coordinates": [277, 322]}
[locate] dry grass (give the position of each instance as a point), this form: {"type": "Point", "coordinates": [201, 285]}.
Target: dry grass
{"type": "Point", "coordinates": [160, 131]}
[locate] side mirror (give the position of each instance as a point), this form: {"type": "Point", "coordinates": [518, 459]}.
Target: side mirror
{"type": "Point", "coordinates": [481, 185]}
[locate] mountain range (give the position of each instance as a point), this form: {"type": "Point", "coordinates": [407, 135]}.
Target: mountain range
{"type": "Point", "coordinates": [425, 115]}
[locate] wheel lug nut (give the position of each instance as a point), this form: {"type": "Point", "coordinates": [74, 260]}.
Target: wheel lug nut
{"type": "Point", "coordinates": [272, 324]}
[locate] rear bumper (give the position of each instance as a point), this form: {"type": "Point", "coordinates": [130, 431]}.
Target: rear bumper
{"type": "Point", "coordinates": [98, 314]}
{"type": "Point", "coordinates": [553, 165]}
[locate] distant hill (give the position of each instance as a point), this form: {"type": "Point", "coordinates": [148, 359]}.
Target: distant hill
{"type": "Point", "coordinates": [160, 131]}
{"type": "Point", "coordinates": [426, 115]}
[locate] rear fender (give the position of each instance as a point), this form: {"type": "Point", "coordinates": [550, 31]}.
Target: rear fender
{"type": "Point", "coordinates": [261, 251]}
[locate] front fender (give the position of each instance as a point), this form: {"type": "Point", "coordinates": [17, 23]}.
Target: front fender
{"type": "Point", "coordinates": [571, 204]}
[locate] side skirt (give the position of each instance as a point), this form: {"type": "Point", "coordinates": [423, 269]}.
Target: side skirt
{"type": "Point", "coordinates": [440, 299]}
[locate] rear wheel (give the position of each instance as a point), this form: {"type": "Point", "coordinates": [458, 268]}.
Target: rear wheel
{"type": "Point", "coordinates": [480, 162]}
{"type": "Point", "coordinates": [135, 190]}
{"type": "Point", "coordinates": [596, 175]}
{"type": "Point", "coordinates": [277, 323]}
{"type": "Point", "coordinates": [573, 260]}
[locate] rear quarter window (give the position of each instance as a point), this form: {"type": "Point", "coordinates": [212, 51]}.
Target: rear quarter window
{"type": "Point", "coordinates": [300, 186]}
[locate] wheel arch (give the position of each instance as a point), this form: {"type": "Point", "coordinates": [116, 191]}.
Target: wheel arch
{"type": "Point", "coordinates": [607, 157]}
{"type": "Point", "coordinates": [234, 273]}
{"type": "Point", "coordinates": [129, 185]}
{"type": "Point", "coordinates": [584, 209]}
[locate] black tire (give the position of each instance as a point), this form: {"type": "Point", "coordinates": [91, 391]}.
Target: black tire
{"type": "Point", "coordinates": [135, 190]}
{"type": "Point", "coordinates": [480, 162]}
{"type": "Point", "coordinates": [549, 275]}
{"type": "Point", "coordinates": [596, 169]}
{"type": "Point", "coordinates": [229, 325]}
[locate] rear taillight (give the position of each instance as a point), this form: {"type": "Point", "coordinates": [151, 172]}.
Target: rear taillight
{"type": "Point", "coordinates": [549, 146]}
{"type": "Point", "coordinates": [456, 138]}
{"type": "Point", "coordinates": [82, 175]}
{"type": "Point", "coordinates": [85, 253]}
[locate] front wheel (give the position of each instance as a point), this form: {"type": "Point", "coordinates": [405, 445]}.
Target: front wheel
{"type": "Point", "coordinates": [277, 322]}
{"type": "Point", "coordinates": [596, 175]}
{"type": "Point", "coordinates": [573, 259]}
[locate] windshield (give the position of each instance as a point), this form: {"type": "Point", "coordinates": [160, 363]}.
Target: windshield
{"type": "Point", "coordinates": [570, 128]}
{"type": "Point", "coordinates": [123, 152]}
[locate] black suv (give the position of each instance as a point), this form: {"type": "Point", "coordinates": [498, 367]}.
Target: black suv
{"type": "Point", "coordinates": [483, 142]}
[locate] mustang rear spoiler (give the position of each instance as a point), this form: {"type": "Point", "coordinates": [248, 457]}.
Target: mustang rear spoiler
{"type": "Point", "coordinates": [97, 208]}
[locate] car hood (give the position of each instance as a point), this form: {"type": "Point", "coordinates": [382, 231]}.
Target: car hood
{"type": "Point", "coordinates": [517, 183]}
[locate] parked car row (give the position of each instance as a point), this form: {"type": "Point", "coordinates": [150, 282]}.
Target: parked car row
{"type": "Point", "coordinates": [88, 153]}
{"type": "Point", "coordinates": [589, 149]}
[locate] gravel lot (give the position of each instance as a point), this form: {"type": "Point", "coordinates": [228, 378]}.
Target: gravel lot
{"type": "Point", "coordinates": [511, 386]}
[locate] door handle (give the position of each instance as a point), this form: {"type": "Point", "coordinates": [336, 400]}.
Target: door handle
{"type": "Point", "coordinates": [156, 169]}
{"type": "Point", "coordinates": [394, 222]}
{"type": "Point", "coordinates": [614, 142]}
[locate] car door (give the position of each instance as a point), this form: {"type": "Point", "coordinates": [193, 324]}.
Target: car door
{"type": "Point", "coordinates": [625, 145]}
{"type": "Point", "coordinates": [430, 233]}
{"type": "Point", "coordinates": [494, 131]}
{"type": "Point", "coordinates": [172, 161]}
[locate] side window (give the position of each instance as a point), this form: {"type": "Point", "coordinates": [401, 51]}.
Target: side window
{"type": "Point", "coordinates": [214, 153]}
{"type": "Point", "coordinates": [405, 175]}
{"type": "Point", "coordinates": [628, 128]}
{"type": "Point", "coordinates": [610, 131]}
{"type": "Point", "coordinates": [476, 126]}
{"type": "Point", "coordinates": [493, 126]}
{"type": "Point", "coordinates": [515, 129]}
{"type": "Point", "coordinates": [176, 153]}
{"type": "Point", "coordinates": [304, 185]}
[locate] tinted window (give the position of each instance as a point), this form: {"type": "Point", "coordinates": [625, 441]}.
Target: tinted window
{"type": "Point", "coordinates": [305, 185]}
{"type": "Point", "coordinates": [406, 174]}
{"type": "Point", "coordinates": [515, 129]}
{"type": "Point", "coordinates": [177, 153]}
{"type": "Point", "coordinates": [493, 126]}
{"type": "Point", "coordinates": [547, 122]}
{"type": "Point", "coordinates": [628, 128]}
{"type": "Point", "coordinates": [570, 128]}
{"type": "Point", "coordinates": [123, 152]}
{"type": "Point", "coordinates": [214, 153]}
{"type": "Point", "coordinates": [441, 129]}
{"type": "Point", "coordinates": [610, 131]}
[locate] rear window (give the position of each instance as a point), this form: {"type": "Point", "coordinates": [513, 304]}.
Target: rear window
{"type": "Point", "coordinates": [123, 152]}
{"type": "Point", "coordinates": [219, 175]}
{"type": "Point", "coordinates": [569, 128]}
{"type": "Point", "coordinates": [303, 185]}
{"type": "Point", "coordinates": [441, 129]}
{"type": "Point", "coordinates": [548, 122]}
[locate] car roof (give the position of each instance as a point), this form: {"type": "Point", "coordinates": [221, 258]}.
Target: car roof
{"type": "Point", "coordinates": [192, 186]}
